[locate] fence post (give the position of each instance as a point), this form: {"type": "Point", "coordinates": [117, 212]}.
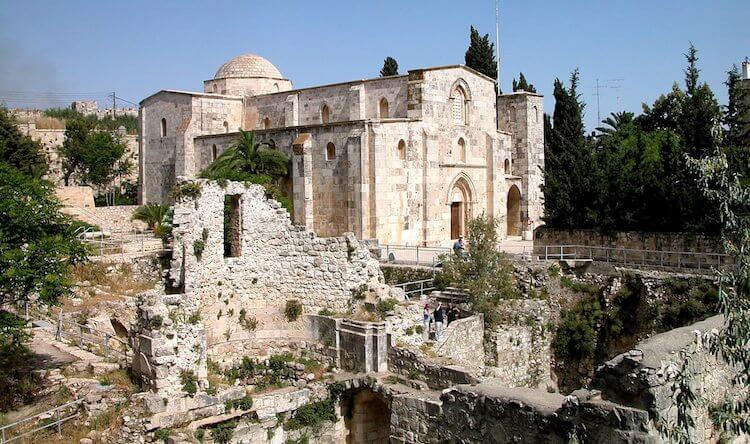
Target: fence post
{"type": "Point", "coordinates": [679, 260]}
{"type": "Point", "coordinates": [58, 333]}
{"type": "Point", "coordinates": [417, 254]}
{"type": "Point", "coordinates": [59, 428]}
{"type": "Point", "coordinates": [643, 258]}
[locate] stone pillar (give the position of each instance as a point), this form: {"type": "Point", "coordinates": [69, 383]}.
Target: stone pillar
{"type": "Point", "coordinates": [292, 110]}
{"type": "Point", "coordinates": [356, 189]}
{"type": "Point", "coordinates": [363, 346]}
{"type": "Point", "coordinates": [357, 102]}
{"type": "Point", "coordinates": [302, 180]}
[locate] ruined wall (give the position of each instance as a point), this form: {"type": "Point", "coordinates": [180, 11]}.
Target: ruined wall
{"type": "Point", "coordinates": [275, 262]}
{"type": "Point", "coordinates": [645, 376]}
{"type": "Point", "coordinates": [463, 341]}
{"type": "Point", "coordinates": [437, 376]}
{"type": "Point", "coordinates": [493, 414]}
{"type": "Point", "coordinates": [519, 349]}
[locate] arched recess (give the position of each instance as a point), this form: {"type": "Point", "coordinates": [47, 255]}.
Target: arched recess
{"type": "Point", "coordinates": [266, 123]}
{"type": "Point", "coordinates": [214, 152]}
{"type": "Point", "coordinates": [513, 213]}
{"type": "Point", "coordinates": [460, 200]}
{"type": "Point", "coordinates": [506, 166]}
{"type": "Point", "coordinates": [367, 417]}
{"type": "Point", "coordinates": [402, 149]}
{"type": "Point", "coordinates": [325, 114]}
{"type": "Point", "coordinates": [461, 150]}
{"type": "Point", "coordinates": [383, 108]}
{"type": "Point", "coordinates": [163, 127]}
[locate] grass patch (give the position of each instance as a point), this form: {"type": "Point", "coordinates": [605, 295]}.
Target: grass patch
{"type": "Point", "coordinates": [312, 415]}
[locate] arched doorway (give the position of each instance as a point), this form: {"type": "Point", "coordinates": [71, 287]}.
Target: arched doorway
{"type": "Point", "coordinates": [367, 417]}
{"type": "Point", "coordinates": [513, 214]}
{"type": "Point", "coordinates": [460, 199]}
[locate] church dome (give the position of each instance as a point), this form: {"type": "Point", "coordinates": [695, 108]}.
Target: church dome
{"type": "Point", "coordinates": [248, 65]}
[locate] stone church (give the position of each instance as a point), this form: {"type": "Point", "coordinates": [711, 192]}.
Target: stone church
{"type": "Point", "coordinates": [406, 159]}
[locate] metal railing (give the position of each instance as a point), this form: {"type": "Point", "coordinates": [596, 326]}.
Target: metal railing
{"type": "Point", "coordinates": [694, 261]}
{"type": "Point", "coordinates": [59, 415]}
{"type": "Point", "coordinates": [413, 254]}
{"type": "Point", "coordinates": [105, 243]}
{"type": "Point", "coordinates": [418, 287]}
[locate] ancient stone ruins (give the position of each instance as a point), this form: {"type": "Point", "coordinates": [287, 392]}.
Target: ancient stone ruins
{"type": "Point", "coordinates": [260, 331]}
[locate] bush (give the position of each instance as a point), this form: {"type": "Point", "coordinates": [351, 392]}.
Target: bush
{"type": "Point", "coordinates": [577, 333]}
{"type": "Point", "coordinates": [293, 310]}
{"type": "Point", "coordinates": [385, 306]}
{"type": "Point", "coordinates": [19, 384]}
{"type": "Point", "coordinates": [189, 382]}
{"type": "Point", "coordinates": [359, 293]}
{"type": "Point", "coordinates": [162, 435]}
{"type": "Point", "coordinates": [419, 329]}
{"type": "Point", "coordinates": [312, 415]}
{"type": "Point", "coordinates": [579, 287]}
{"type": "Point", "coordinates": [186, 191]}
{"type": "Point", "coordinates": [244, 403]}
{"type": "Point", "coordinates": [222, 433]}
{"type": "Point", "coordinates": [194, 318]}
{"type": "Point", "coordinates": [397, 275]}
{"type": "Point", "coordinates": [198, 247]}
{"type": "Point", "coordinates": [199, 435]}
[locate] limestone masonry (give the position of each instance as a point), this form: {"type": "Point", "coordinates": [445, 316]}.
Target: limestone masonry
{"type": "Point", "coordinates": [407, 159]}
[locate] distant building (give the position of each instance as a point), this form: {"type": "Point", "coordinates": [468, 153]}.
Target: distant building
{"type": "Point", "coordinates": [406, 159]}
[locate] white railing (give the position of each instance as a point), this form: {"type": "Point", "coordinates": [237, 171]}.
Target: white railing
{"type": "Point", "coordinates": [413, 254]}
{"type": "Point", "coordinates": [104, 243]}
{"type": "Point", "coordinates": [694, 261]}
{"type": "Point", "coordinates": [417, 287]}
{"type": "Point", "coordinates": [59, 415]}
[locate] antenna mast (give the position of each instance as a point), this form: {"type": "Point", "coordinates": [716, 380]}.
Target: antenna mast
{"type": "Point", "coordinates": [497, 41]}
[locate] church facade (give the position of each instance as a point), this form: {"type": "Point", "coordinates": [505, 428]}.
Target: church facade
{"type": "Point", "coordinates": [406, 159]}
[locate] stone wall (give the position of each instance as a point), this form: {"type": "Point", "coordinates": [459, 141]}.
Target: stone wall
{"type": "Point", "coordinates": [463, 342]}
{"type": "Point", "coordinates": [75, 196]}
{"type": "Point", "coordinates": [644, 377]}
{"type": "Point", "coordinates": [690, 242]}
{"type": "Point", "coordinates": [113, 219]}
{"type": "Point", "coordinates": [276, 262]}
{"type": "Point", "coordinates": [519, 349]}
{"type": "Point", "coordinates": [437, 376]}
{"type": "Point", "coordinates": [490, 413]}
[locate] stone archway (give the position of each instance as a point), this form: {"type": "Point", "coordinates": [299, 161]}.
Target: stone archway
{"type": "Point", "coordinates": [367, 416]}
{"type": "Point", "coordinates": [459, 200]}
{"type": "Point", "coordinates": [513, 213]}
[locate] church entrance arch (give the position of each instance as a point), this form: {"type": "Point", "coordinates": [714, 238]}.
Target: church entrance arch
{"type": "Point", "coordinates": [367, 417]}
{"type": "Point", "coordinates": [460, 199]}
{"type": "Point", "coordinates": [513, 213]}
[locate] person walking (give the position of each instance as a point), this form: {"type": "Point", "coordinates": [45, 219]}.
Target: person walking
{"type": "Point", "coordinates": [438, 316]}
{"type": "Point", "coordinates": [426, 317]}
{"type": "Point", "coordinates": [459, 247]}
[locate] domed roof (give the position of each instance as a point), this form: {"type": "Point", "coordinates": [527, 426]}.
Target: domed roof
{"type": "Point", "coordinates": [248, 65]}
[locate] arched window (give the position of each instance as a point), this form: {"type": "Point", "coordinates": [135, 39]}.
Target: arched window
{"type": "Point", "coordinates": [536, 114]}
{"type": "Point", "coordinates": [164, 127]}
{"type": "Point", "coordinates": [512, 114]}
{"type": "Point", "coordinates": [461, 149]}
{"type": "Point", "coordinates": [215, 88]}
{"type": "Point", "coordinates": [383, 108]}
{"type": "Point", "coordinates": [330, 151]}
{"type": "Point", "coordinates": [458, 106]}
{"type": "Point", "coordinates": [226, 126]}
{"type": "Point", "coordinates": [266, 123]}
{"type": "Point", "coordinates": [275, 87]}
{"type": "Point", "coordinates": [213, 152]}
{"type": "Point", "coordinates": [325, 114]}
{"type": "Point", "coordinates": [402, 149]}
{"type": "Point", "coordinates": [507, 166]}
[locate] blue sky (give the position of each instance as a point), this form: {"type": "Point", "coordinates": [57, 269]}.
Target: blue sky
{"type": "Point", "coordinates": [67, 49]}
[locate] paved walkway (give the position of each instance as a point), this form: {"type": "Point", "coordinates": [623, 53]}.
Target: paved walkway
{"type": "Point", "coordinates": [430, 255]}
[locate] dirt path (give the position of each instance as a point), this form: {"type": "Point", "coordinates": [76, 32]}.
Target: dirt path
{"type": "Point", "coordinates": [47, 355]}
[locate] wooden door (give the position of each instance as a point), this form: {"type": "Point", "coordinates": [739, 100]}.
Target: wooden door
{"type": "Point", "coordinates": [455, 220]}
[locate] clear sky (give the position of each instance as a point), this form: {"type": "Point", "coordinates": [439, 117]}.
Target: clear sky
{"type": "Point", "coordinates": [54, 51]}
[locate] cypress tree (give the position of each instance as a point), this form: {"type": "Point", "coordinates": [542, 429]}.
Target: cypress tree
{"type": "Point", "coordinates": [737, 127]}
{"type": "Point", "coordinates": [523, 85]}
{"type": "Point", "coordinates": [700, 119]}
{"type": "Point", "coordinates": [390, 67]}
{"type": "Point", "coordinates": [481, 54]}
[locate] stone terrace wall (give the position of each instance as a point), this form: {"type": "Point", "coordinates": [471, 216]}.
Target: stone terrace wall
{"type": "Point", "coordinates": [438, 377]}
{"type": "Point", "coordinates": [490, 413]}
{"type": "Point", "coordinates": [643, 377]}
{"type": "Point", "coordinates": [463, 341]}
{"type": "Point", "coordinates": [628, 239]}
{"type": "Point", "coordinates": [277, 262]}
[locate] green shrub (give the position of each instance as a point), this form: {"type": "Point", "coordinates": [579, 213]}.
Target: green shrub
{"type": "Point", "coordinates": [398, 275]}
{"type": "Point", "coordinates": [155, 322]}
{"type": "Point", "coordinates": [189, 382]}
{"type": "Point", "coordinates": [19, 383]}
{"type": "Point", "coordinates": [244, 403]}
{"type": "Point", "coordinates": [579, 287]}
{"type": "Point", "coordinates": [194, 318]}
{"type": "Point", "coordinates": [577, 332]}
{"type": "Point", "coordinates": [325, 312]}
{"type": "Point", "coordinates": [222, 433]}
{"type": "Point", "coordinates": [312, 415]}
{"type": "Point", "coordinates": [199, 435]}
{"type": "Point", "coordinates": [293, 310]}
{"type": "Point", "coordinates": [359, 293]}
{"type": "Point", "coordinates": [385, 306]}
{"type": "Point", "coordinates": [162, 435]}
{"type": "Point", "coordinates": [419, 329]}
{"type": "Point", "coordinates": [409, 331]}
{"type": "Point", "coordinates": [186, 191]}
{"type": "Point", "coordinates": [554, 270]}
{"type": "Point", "coordinates": [198, 247]}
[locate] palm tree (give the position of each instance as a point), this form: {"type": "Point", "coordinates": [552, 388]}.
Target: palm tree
{"type": "Point", "coordinates": [248, 157]}
{"type": "Point", "coordinates": [152, 214]}
{"type": "Point", "coordinates": [616, 122]}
